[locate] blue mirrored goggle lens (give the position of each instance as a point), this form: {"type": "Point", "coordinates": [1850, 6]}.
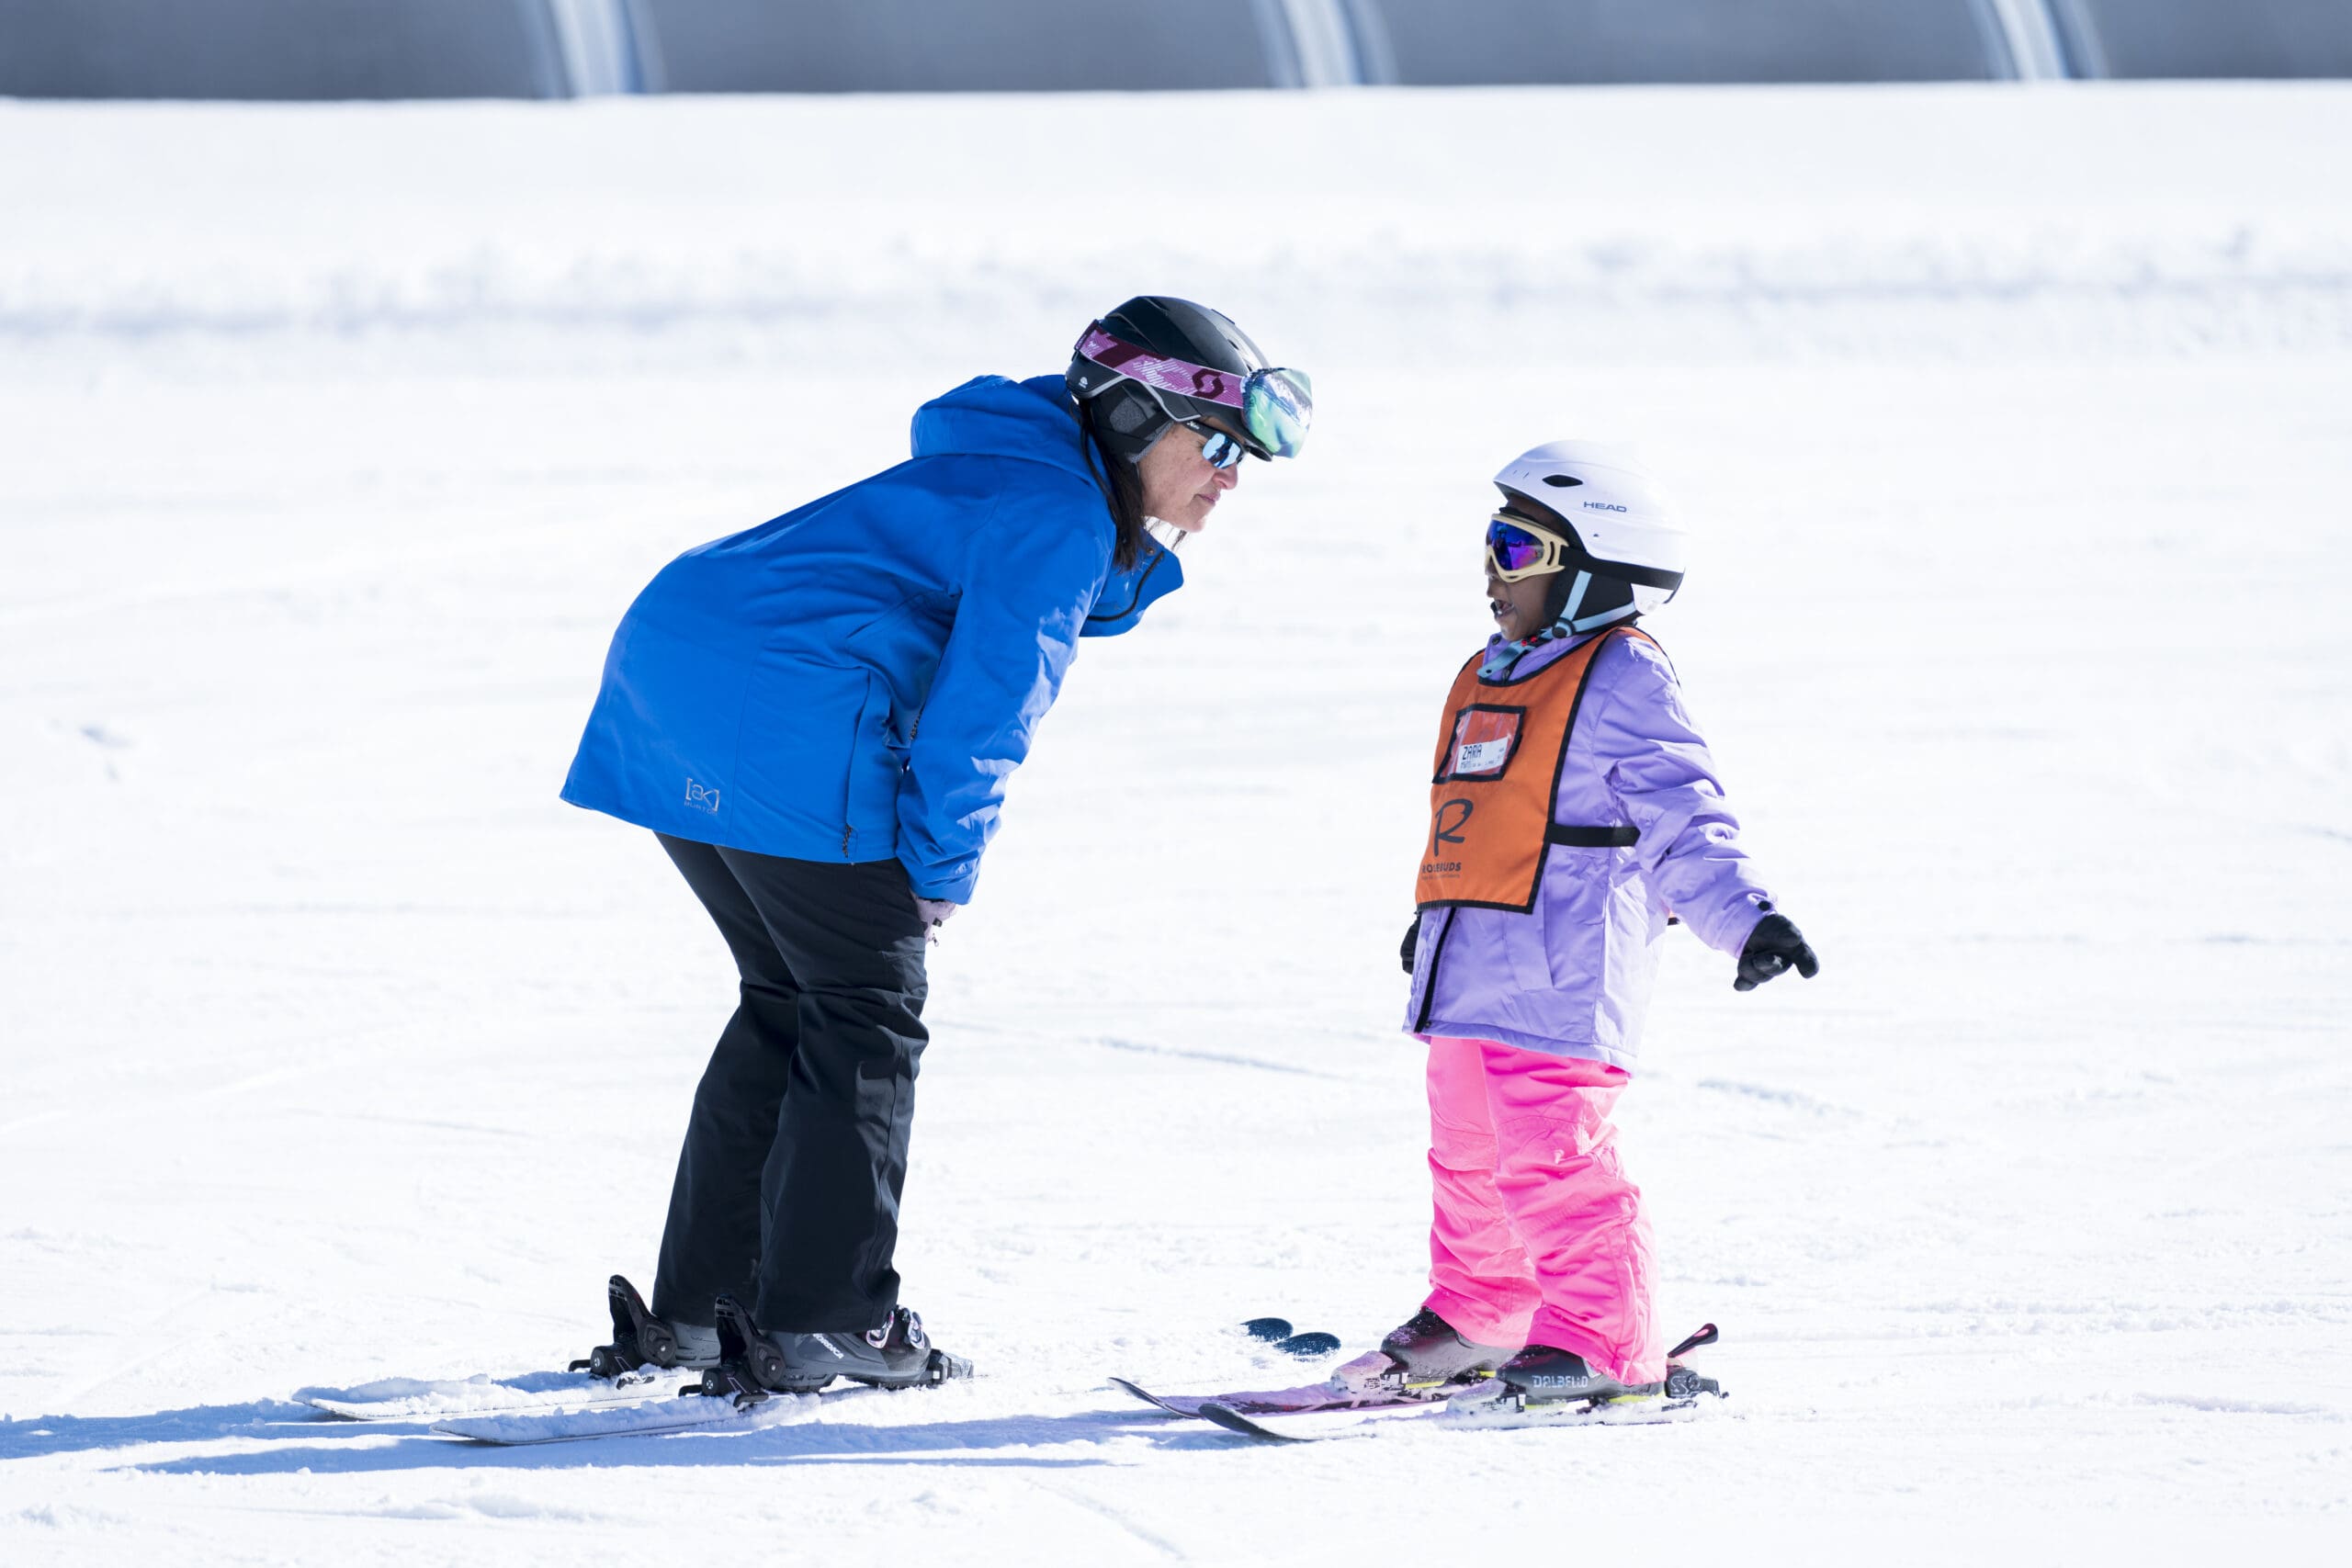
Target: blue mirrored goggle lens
{"type": "Point", "coordinates": [1515, 549]}
{"type": "Point", "coordinates": [1277, 406]}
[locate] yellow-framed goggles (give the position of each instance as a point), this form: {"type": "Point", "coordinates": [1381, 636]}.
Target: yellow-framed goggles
{"type": "Point", "coordinates": [1516, 548]}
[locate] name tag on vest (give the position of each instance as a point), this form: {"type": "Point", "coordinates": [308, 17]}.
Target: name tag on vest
{"type": "Point", "coordinates": [1484, 738]}
{"type": "Point", "coordinates": [1480, 757]}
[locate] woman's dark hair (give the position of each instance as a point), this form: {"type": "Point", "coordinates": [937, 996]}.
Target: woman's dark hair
{"type": "Point", "coordinates": [1122, 489]}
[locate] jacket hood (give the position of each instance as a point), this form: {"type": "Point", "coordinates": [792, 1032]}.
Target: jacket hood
{"type": "Point", "coordinates": [994, 416]}
{"type": "Point", "coordinates": [991, 417]}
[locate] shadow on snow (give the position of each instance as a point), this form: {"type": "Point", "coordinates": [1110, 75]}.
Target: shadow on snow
{"type": "Point", "coordinates": [412, 1447]}
{"type": "Point", "coordinates": [304, 1439]}
{"type": "Point", "coordinates": [33, 1437]}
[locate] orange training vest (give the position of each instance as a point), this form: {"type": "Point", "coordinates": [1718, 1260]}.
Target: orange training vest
{"type": "Point", "coordinates": [1500, 755]}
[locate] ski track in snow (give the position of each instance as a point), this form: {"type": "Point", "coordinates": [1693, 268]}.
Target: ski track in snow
{"type": "Point", "coordinates": [335, 439]}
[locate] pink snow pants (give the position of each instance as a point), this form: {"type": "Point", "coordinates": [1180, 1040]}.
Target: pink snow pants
{"type": "Point", "coordinates": [1539, 1238]}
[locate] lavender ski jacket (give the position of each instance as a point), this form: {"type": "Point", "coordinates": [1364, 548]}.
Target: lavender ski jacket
{"type": "Point", "coordinates": [1572, 977]}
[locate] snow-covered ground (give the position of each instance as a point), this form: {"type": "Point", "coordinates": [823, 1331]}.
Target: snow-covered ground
{"type": "Point", "coordinates": [2019, 424]}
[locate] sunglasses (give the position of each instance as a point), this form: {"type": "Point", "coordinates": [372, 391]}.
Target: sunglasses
{"type": "Point", "coordinates": [1220, 450]}
{"type": "Point", "coordinates": [1276, 405]}
{"type": "Point", "coordinates": [1516, 548]}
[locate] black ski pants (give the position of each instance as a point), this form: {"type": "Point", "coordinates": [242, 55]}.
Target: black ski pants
{"type": "Point", "coordinates": [787, 1189]}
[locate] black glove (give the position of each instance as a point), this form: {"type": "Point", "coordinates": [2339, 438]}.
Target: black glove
{"type": "Point", "coordinates": [1412, 943]}
{"type": "Point", "coordinates": [1775, 944]}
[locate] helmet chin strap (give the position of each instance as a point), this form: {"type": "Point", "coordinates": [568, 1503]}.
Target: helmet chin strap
{"type": "Point", "coordinates": [1566, 620]}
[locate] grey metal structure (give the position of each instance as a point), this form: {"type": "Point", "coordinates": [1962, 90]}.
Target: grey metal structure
{"type": "Point", "coordinates": [599, 42]}
{"type": "Point", "coordinates": [280, 49]}
{"type": "Point", "coordinates": [2208, 39]}
{"type": "Point", "coordinates": [541, 49]}
{"type": "Point", "coordinates": [883, 46]}
{"type": "Point", "coordinates": [1467, 42]}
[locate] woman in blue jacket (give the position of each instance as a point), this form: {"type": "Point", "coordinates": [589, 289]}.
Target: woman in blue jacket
{"type": "Point", "coordinates": [818, 716]}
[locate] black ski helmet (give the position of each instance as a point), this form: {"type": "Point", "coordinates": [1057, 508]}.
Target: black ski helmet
{"type": "Point", "coordinates": [1130, 416]}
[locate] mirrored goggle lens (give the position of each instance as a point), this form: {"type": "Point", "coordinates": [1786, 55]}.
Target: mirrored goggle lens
{"type": "Point", "coordinates": [1278, 406]}
{"type": "Point", "coordinates": [1514, 549]}
{"type": "Point", "coordinates": [1222, 450]}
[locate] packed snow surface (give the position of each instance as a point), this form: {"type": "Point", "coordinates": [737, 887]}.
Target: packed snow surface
{"type": "Point", "coordinates": [2017, 425]}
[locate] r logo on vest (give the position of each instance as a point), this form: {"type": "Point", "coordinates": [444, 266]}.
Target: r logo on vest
{"type": "Point", "coordinates": [1447, 832]}
{"type": "Point", "coordinates": [1450, 818]}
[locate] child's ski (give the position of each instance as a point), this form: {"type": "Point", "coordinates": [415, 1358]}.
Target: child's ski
{"type": "Point", "coordinates": [1685, 1398]}
{"type": "Point", "coordinates": [1461, 1415]}
{"type": "Point", "coordinates": [1299, 1425]}
{"type": "Point", "coordinates": [1490, 1404]}
{"type": "Point", "coordinates": [1278, 1333]}
{"type": "Point", "coordinates": [1309, 1399]}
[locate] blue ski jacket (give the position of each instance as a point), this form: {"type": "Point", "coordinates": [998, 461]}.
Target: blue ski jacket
{"type": "Point", "coordinates": [856, 680]}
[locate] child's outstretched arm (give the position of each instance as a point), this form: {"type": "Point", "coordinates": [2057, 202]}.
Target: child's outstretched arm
{"type": "Point", "coordinates": [1658, 768]}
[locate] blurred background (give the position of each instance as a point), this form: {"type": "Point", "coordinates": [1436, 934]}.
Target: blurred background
{"type": "Point", "coordinates": [552, 49]}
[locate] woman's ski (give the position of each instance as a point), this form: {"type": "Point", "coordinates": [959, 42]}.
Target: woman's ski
{"type": "Point", "coordinates": [410, 1399]}
{"type": "Point", "coordinates": [687, 1412]}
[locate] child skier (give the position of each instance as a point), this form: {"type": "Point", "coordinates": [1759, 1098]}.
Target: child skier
{"type": "Point", "coordinates": [1575, 814]}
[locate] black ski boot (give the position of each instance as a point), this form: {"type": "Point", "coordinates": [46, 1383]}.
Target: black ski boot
{"type": "Point", "coordinates": [1543, 1376]}
{"type": "Point", "coordinates": [748, 1367]}
{"type": "Point", "coordinates": [1422, 1354]}
{"type": "Point", "coordinates": [640, 1339]}
{"type": "Point", "coordinates": [896, 1354]}
{"type": "Point", "coordinates": [1540, 1374]}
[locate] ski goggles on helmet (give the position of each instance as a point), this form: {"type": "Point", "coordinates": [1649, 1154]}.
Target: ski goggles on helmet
{"type": "Point", "coordinates": [1275, 405]}
{"type": "Point", "coordinates": [1516, 548]}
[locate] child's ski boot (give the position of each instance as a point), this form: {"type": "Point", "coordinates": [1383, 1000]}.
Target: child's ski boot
{"type": "Point", "coordinates": [1420, 1357]}
{"type": "Point", "coordinates": [641, 1339]}
{"type": "Point", "coordinates": [1545, 1387]}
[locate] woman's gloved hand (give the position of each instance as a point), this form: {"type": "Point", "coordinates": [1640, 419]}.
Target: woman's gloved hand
{"type": "Point", "coordinates": [1412, 947]}
{"type": "Point", "coordinates": [1774, 945]}
{"type": "Point", "coordinates": [935, 912]}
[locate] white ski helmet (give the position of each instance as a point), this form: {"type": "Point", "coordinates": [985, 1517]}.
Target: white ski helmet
{"type": "Point", "coordinates": [1632, 554]}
